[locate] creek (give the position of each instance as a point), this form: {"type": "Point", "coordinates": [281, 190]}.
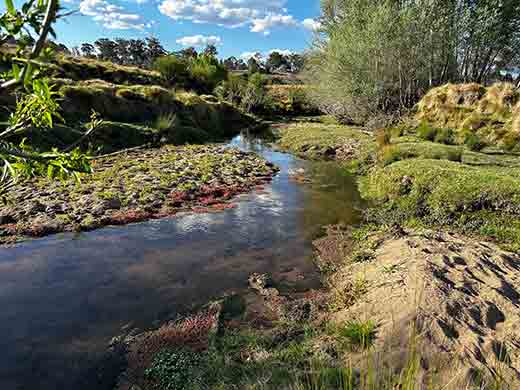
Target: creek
{"type": "Point", "coordinates": [64, 297]}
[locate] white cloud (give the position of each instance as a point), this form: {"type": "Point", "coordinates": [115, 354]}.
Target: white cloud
{"type": "Point", "coordinates": [265, 24]}
{"type": "Point", "coordinates": [199, 40]}
{"type": "Point", "coordinates": [260, 15]}
{"type": "Point", "coordinates": [311, 24]}
{"type": "Point", "coordinates": [110, 15]}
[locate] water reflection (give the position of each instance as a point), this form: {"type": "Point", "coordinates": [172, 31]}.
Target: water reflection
{"type": "Point", "coordinates": [64, 297]}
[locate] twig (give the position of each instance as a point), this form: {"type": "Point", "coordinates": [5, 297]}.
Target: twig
{"type": "Point", "coordinates": [81, 139]}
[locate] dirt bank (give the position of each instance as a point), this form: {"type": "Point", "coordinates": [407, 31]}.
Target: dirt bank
{"type": "Point", "coordinates": [449, 302]}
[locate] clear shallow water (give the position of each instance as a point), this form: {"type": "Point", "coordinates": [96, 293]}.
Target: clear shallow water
{"type": "Point", "coordinates": [63, 298]}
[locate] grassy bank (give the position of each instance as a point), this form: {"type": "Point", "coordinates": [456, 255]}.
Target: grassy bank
{"type": "Point", "coordinates": [131, 187]}
{"type": "Point", "coordinates": [322, 138]}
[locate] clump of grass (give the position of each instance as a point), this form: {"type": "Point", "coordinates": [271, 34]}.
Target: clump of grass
{"type": "Point", "coordinates": [383, 138]}
{"type": "Point", "coordinates": [426, 132]}
{"type": "Point", "coordinates": [473, 142]}
{"type": "Point", "coordinates": [166, 121]}
{"type": "Point", "coordinates": [359, 334]}
{"type": "Point", "coordinates": [511, 141]}
{"type": "Point", "coordinates": [474, 199]}
{"type": "Point", "coordinates": [445, 136]}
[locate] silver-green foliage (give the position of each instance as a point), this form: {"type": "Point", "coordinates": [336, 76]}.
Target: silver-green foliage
{"type": "Point", "coordinates": [381, 55]}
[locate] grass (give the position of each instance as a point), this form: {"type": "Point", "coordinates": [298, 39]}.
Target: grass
{"type": "Point", "coordinates": [359, 334]}
{"type": "Point", "coordinates": [484, 200]}
{"type": "Point", "coordinates": [314, 140]}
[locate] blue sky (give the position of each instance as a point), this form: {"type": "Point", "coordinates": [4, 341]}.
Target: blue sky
{"type": "Point", "coordinates": [235, 26]}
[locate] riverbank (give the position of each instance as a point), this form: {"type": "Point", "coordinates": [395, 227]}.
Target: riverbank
{"type": "Point", "coordinates": [132, 187]}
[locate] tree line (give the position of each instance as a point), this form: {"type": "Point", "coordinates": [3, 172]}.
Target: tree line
{"type": "Point", "coordinates": [144, 53]}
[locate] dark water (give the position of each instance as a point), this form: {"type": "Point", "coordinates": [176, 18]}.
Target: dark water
{"type": "Point", "coordinates": [62, 298]}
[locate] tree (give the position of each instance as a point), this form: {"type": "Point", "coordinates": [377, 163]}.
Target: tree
{"type": "Point", "coordinates": [107, 49]}
{"type": "Point", "coordinates": [380, 56]}
{"type": "Point", "coordinates": [154, 49]}
{"type": "Point", "coordinates": [189, 53]}
{"type": "Point", "coordinates": [231, 63]}
{"type": "Point", "coordinates": [296, 62]}
{"type": "Point", "coordinates": [136, 52]}
{"type": "Point", "coordinates": [36, 107]}
{"type": "Point", "coordinates": [253, 66]}
{"type": "Point", "coordinates": [88, 50]}
{"type": "Point", "coordinates": [275, 60]}
{"type": "Point", "coordinates": [211, 51]}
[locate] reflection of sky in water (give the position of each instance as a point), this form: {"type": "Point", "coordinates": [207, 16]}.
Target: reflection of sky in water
{"type": "Point", "coordinates": [64, 297]}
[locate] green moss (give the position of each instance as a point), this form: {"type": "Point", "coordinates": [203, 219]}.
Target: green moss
{"type": "Point", "coordinates": [316, 140]}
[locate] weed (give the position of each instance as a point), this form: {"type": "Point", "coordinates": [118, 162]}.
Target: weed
{"type": "Point", "coordinates": [426, 132]}
{"type": "Point", "coordinates": [359, 334]}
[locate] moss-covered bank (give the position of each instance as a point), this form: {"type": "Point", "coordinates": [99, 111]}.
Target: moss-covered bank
{"type": "Point", "coordinates": [132, 187]}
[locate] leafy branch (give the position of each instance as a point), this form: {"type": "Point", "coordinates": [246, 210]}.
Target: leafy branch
{"type": "Point", "coordinates": [37, 105]}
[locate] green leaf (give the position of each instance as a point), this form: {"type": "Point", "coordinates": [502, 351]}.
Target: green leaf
{"type": "Point", "coordinates": [10, 7]}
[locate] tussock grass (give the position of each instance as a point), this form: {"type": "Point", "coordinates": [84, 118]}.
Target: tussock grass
{"type": "Point", "coordinates": [493, 112]}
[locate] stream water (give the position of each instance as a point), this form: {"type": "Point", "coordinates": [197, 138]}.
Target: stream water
{"type": "Point", "coordinates": [62, 298]}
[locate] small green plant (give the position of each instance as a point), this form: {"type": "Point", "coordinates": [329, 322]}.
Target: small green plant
{"type": "Point", "coordinates": [166, 121]}
{"type": "Point", "coordinates": [177, 369]}
{"type": "Point", "coordinates": [383, 138]}
{"type": "Point", "coordinates": [511, 141]}
{"type": "Point", "coordinates": [445, 136]}
{"type": "Point", "coordinates": [473, 142]}
{"type": "Point", "coordinates": [426, 132]}
{"type": "Point", "coordinates": [359, 334]}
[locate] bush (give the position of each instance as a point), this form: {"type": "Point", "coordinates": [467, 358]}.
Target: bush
{"type": "Point", "coordinates": [359, 334]}
{"type": "Point", "coordinates": [177, 369]}
{"type": "Point", "coordinates": [206, 73]}
{"type": "Point", "coordinates": [373, 56]}
{"type": "Point", "coordinates": [511, 141]}
{"type": "Point", "coordinates": [173, 69]}
{"type": "Point", "coordinates": [426, 132]}
{"type": "Point", "coordinates": [445, 136]}
{"type": "Point", "coordinates": [473, 142]}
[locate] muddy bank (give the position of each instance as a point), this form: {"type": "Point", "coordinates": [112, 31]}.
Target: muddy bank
{"type": "Point", "coordinates": [442, 299]}
{"type": "Point", "coordinates": [132, 187]}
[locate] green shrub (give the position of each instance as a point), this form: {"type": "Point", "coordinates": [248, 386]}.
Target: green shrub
{"type": "Point", "coordinates": [445, 136]}
{"type": "Point", "coordinates": [473, 142]}
{"type": "Point", "coordinates": [206, 73]}
{"type": "Point", "coordinates": [359, 334]}
{"type": "Point", "coordinates": [426, 132]}
{"type": "Point", "coordinates": [166, 121]}
{"type": "Point", "coordinates": [173, 69]}
{"type": "Point", "coordinates": [511, 141]}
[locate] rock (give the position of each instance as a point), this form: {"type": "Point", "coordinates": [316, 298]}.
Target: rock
{"type": "Point", "coordinates": [113, 204]}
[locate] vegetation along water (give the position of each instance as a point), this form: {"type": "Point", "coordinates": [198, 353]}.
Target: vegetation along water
{"type": "Point", "coordinates": [343, 217]}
